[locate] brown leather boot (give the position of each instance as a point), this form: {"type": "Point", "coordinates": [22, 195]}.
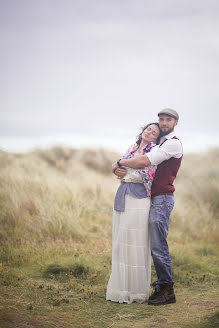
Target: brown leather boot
{"type": "Point", "coordinates": [163, 294]}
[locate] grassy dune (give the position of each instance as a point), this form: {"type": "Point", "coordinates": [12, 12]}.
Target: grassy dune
{"type": "Point", "coordinates": [55, 243]}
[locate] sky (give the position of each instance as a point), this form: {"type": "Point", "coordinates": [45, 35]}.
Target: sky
{"type": "Point", "coordinates": [93, 72]}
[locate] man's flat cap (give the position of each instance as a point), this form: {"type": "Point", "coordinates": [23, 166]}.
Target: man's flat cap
{"type": "Point", "coordinates": [170, 112]}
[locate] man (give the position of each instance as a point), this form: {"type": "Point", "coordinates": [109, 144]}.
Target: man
{"type": "Point", "coordinates": [167, 156]}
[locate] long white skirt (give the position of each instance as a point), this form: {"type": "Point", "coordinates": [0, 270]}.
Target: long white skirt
{"type": "Point", "coordinates": [131, 253]}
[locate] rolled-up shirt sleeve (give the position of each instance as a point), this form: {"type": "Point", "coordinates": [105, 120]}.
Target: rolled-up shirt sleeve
{"type": "Point", "coordinates": [170, 148]}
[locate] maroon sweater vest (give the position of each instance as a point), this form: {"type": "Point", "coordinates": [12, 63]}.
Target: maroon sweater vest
{"type": "Point", "coordinates": [165, 175]}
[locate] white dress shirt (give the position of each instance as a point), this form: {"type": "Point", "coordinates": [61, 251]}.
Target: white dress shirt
{"type": "Point", "coordinates": [170, 148]}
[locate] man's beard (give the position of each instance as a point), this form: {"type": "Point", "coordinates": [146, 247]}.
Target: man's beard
{"type": "Point", "coordinates": [167, 132]}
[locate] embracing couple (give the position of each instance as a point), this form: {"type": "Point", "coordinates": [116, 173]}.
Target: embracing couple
{"type": "Point", "coordinates": [142, 208]}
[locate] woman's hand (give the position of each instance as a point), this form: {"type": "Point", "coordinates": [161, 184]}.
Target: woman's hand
{"type": "Point", "coordinates": [114, 167]}
{"type": "Point", "coordinates": [119, 171]}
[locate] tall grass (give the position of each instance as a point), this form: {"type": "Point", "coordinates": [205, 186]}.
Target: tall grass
{"type": "Point", "coordinates": [64, 194]}
{"type": "Point", "coordinates": [37, 198]}
{"type": "Point", "coordinates": [196, 213]}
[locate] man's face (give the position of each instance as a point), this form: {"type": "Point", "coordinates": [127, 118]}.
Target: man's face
{"type": "Point", "coordinates": [167, 123]}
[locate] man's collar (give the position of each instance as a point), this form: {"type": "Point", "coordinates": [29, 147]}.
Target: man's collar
{"type": "Point", "coordinates": [168, 136]}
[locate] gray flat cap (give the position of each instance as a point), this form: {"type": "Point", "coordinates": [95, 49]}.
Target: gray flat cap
{"type": "Point", "coordinates": [170, 112]}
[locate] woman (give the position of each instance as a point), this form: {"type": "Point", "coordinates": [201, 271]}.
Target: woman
{"type": "Point", "coordinates": [131, 259]}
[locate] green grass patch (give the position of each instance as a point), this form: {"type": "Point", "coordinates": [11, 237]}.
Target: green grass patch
{"type": "Point", "coordinates": [207, 322]}
{"type": "Point", "coordinates": [78, 270]}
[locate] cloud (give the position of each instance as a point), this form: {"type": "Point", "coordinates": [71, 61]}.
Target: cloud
{"type": "Point", "coordinates": [86, 66]}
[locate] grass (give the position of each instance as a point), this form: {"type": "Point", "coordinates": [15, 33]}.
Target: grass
{"type": "Point", "coordinates": [55, 238]}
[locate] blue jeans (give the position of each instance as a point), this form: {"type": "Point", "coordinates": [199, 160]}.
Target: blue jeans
{"type": "Point", "coordinates": [161, 207]}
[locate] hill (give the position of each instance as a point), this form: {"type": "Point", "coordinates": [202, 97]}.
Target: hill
{"type": "Point", "coordinates": [55, 238]}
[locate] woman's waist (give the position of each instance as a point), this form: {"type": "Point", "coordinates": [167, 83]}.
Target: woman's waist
{"type": "Point", "coordinates": [131, 180]}
{"type": "Point", "coordinates": [132, 176]}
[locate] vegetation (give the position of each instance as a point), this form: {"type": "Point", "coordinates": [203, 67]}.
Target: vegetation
{"type": "Point", "coordinates": [55, 243]}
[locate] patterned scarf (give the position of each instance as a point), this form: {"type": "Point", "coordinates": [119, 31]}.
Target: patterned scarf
{"type": "Point", "coordinates": [147, 173]}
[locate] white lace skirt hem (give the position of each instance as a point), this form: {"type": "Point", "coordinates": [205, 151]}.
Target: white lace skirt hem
{"type": "Point", "coordinates": [125, 296]}
{"type": "Point", "coordinates": [131, 259]}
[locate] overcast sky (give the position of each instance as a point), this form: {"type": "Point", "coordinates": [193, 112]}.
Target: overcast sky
{"type": "Point", "coordinates": [92, 72]}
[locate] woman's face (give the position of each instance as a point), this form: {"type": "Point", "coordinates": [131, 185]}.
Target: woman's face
{"type": "Point", "coordinates": [151, 133]}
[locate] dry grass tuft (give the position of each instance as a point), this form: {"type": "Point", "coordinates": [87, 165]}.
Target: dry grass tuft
{"type": "Point", "coordinates": [57, 157]}
{"type": "Point", "coordinates": [100, 161]}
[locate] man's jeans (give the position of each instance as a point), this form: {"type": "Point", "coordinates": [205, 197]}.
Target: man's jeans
{"type": "Point", "coordinates": [161, 207]}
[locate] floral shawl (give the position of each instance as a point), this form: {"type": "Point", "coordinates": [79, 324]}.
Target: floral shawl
{"type": "Point", "coordinates": [147, 173]}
